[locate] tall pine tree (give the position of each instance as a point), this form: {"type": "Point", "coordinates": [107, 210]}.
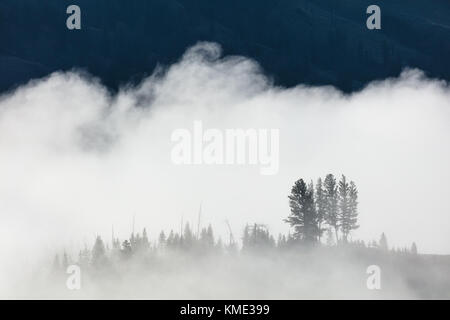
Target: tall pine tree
{"type": "Point", "coordinates": [344, 207]}
{"type": "Point", "coordinates": [383, 242]}
{"type": "Point", "coordinates": [348, 207]}
{"type": "Point", "coordinates": [320, 206]}
{"type": "Point", "coordinates": [331, 204]}
{"type": "Point", "coordinates": [303, 217]}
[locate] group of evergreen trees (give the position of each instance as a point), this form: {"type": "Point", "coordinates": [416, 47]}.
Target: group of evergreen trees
{"type": "Point", "coordinates": [329, 206]}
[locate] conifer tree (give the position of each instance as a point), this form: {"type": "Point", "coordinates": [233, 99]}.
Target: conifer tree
{"type": "Point", "coordinates": [348, 207]}
{"type": "Point", "coordinates": [133, 241]}
{"type": "Point", "coordinates": [98, 252]}
{"type": "Point", "coordinates": [162, 240]}
{"type": "Point", "coordinates": [303, 217]}
{"type": "Point", "coordinates": [383, 242]}
{"type": "Point", "coordinates": [320, 205]}
{"type": "Point", "coordinates": [414, 248]}
{"type": "Point", "coordinates": [171, 239]}
{"type": "Point", "coordinates": [210, 236]}
{"type": "Point", "coordinates": [331, 204]}
{"type": "Point", "coordinates": [127, 250]}
{"type": "Point", "coordinates": [353, 218]}
{"type": "Point", "coordinates": [145, 241]}
{"type": "Point", "coordinates": [188, 237]}
{"type": "Point", "coordinates": [177, 241]}
{"type": "Point", "coordinates": [259, 238]}
{"type": "Point", "coordinates": [137, 243]}
{"type": "Point", "coordinates": [207, 238]}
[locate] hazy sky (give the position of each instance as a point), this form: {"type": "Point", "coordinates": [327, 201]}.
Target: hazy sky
{"type": "Point", "coordinates": [75, 160]}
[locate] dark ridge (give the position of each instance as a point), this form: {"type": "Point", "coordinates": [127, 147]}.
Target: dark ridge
{"type": "Point", "coordinates": [320, 42]}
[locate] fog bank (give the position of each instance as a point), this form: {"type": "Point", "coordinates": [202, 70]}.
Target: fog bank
{"type": "Point", "coordinates": [76, 159]}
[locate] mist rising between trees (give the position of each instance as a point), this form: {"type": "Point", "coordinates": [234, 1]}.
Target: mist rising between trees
{"type": "Point", "coordinates": [322, 214]}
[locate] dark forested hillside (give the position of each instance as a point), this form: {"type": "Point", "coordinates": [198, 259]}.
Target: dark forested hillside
{"type": "Point", "coordinates": [296, 41]}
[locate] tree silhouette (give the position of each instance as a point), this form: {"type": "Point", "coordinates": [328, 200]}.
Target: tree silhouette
{"type": "Point", "coordinates": [162, 240]}
{"type": "Point", "coordinates": [383, 242]}
{"type": "Point", "coordinates": [171, 240]}
{"type": "Point", "coordinates": [127, 250]}
{"type": "Point", "coordinates": [257, 238]}
{"type": "Point", "coordinates": [207, 238]}
{"type": "Point", "coordinates": [303, 217]}
{"type": "Point", "coordinates": [145, 242]}
{"type": "Point", "coordinates": [344, 207]}
{"type": "Point", "coordinates": [348, 207]}
{"type": "Point", "coordinates": [414, 248]}
{"type": "Point", "coordinates": [320, 205]}
{"type": "Point", "coordinates": [353, 216]}
{"type": "Point", "coordinates": [84, 257]}
{"type": "Point", "coordinates": [98, 253]}
{"type": "Point", "coordinates": [331, 204]}
{"type": "Point", "coordinates": [188, 237]}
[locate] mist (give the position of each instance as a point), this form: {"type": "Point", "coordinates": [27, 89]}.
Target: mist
{"type": "Point", "coordinates": [77, 159]}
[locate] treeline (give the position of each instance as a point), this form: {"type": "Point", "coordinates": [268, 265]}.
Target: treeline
{"type": "Point", "coordinates": [329, 207]}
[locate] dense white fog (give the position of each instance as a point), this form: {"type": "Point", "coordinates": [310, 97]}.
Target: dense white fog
{"type": "Point", "coordinates": [76, 160]}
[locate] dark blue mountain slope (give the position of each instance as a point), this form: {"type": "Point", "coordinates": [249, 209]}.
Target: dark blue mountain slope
{"type": "Point", "coordinates": [314, 42]}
